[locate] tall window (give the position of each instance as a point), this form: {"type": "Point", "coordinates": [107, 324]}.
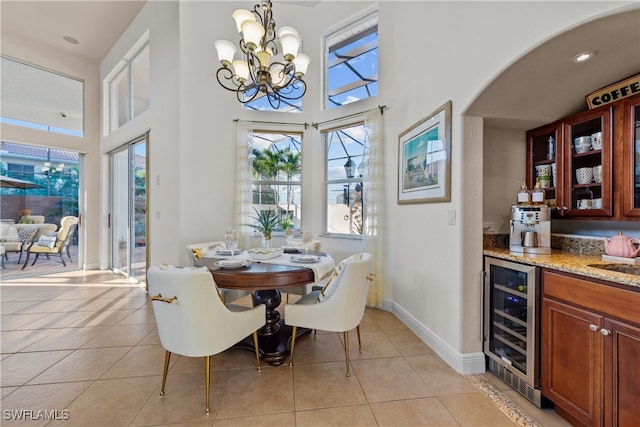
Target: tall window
{"type": "Point", "coordinates": [127, 86]}
{"type": "Point", "coordinates": [351, 62]}
{"type": "Point", "coordinates": [277, 167]}
{"type": "Point", "coordinates": [40, 99]}
{"type": "Point", "coordinates": [346, 148]}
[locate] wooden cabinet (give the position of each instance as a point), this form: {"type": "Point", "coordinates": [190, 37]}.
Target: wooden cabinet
{"type": "Point", "coordinates": [545, 148]}
{"type": "Point", "coordinates": [622, 366]}
{"type": "Point", "coordinates": [590, 350]}
{"type": "Point", "coordinates": [630, 161]}
{"type": "Point", "coordinates": [592, 198]}
{"type": "Point", "coordinates": [612, 190]}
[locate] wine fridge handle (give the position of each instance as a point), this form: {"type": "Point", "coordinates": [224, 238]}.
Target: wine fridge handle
{"type": "Point", "coordinates": [483, 274]}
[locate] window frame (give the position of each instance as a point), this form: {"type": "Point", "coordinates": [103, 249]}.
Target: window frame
{"type": "Point", "coordinates": [124, 69]}
{"type": "Point", "coordinates": [339, 30]}
{"type": "Point", "coordinates": [356, 180]}
{"type": "Point", "coordinates": [294, 137]}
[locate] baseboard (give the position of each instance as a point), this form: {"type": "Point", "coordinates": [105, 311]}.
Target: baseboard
{"type": "Point", "coordinates": [464, 363]}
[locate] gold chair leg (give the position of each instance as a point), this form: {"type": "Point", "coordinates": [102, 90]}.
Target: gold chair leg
{"type": "Point", "coordinates": [167, 356]}
{"type": "Point", "coordinates": [293, 343]}
{"type": "Point", "coordinates": [207, 381]}
{"type": "Point", "coordinates": [255, 345]}
{"type": "Point", "coordinates": [359, 340]}
{"type": "Point", "coordinates": [346, 350]}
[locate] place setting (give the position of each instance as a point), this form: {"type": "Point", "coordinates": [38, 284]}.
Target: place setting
{"type": "Point", "coordinates": [307, 238]}
{"type": "Point", "coordinates": [233, 263]}
{"type": "Point", "coordinates": [231, 239]}
{"type": "Point", "coordinates": [305, 258]}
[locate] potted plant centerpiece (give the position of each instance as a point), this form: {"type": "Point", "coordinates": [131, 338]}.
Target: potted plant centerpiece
{"type": "Point", "coordinates": [287, 226]}
{"type": "Point", "coordinates": [267, 223]}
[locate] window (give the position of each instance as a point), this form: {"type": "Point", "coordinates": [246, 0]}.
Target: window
{"type": "Point", "coordinates": [276, 173]}
{"type": "Point", "coordinates": [346, 149]}
{"type": "Point", "coordinates": [20, 171]}
{"type": "Point", "coordinates": [261, 103]}
{"type": "Point", "coordinates": [40, 99]}
{"type": "Point", "coordinates": [127, 86]}
{"type": "Point", "coordinates": [351, 62]}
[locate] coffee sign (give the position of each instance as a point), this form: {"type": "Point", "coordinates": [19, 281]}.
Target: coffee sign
{"type": "Point", "coordinates": [614, 92]}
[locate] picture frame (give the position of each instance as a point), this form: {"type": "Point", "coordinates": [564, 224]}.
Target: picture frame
{"type": "Point", "coordinates": [424, 159]}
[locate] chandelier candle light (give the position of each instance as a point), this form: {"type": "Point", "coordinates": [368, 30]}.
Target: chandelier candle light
{"type": "Point", "coordinates": [262, 70]}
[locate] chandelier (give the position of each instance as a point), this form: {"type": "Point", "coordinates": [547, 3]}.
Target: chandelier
{"type": "Point", "coordinates": [270, 64]}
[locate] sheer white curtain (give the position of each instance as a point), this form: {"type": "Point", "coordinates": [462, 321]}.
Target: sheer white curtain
{"type": "Point", "coordinates": [244, 180]}
{"type": "Point", "coordinates": [373, 194]}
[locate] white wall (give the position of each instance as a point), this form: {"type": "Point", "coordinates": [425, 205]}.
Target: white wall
{"type": "Point", "coordinates": [452, 51]}
{"type": "Point", "coordinates": [504, 172]}
{"type": "Point", "coordinates": [163, 119]}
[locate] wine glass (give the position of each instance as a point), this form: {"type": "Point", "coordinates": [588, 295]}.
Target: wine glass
{"type": "Point", "coordinates": [306, 239]}
{"type": "Point", "coordinates": [231, 238]}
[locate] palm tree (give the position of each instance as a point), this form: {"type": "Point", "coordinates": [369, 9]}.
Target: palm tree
{"type": "Point", "coordinates": [291, 167]}
{"type": "Point", "coordinates": [268, 163]}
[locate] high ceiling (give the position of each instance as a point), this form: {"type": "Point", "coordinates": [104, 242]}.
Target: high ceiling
{"type": "Point", "coordinates": [540, 87]}
{"type": "Point", "coordinates": [96, 25]}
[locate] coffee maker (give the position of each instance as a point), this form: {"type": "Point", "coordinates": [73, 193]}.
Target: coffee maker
{"type": "Point", "coordinates": [530, 229]}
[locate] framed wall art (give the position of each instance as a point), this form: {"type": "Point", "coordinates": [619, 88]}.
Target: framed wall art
{"type": "Point", "coordinates": [424, 169]}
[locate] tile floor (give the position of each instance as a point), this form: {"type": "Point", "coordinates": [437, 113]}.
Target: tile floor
{"type": "Point", "coordinates": [84, 344]}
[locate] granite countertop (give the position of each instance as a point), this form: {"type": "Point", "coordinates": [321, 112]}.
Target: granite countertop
{"type": "Point", "coordinates": [567, 262]}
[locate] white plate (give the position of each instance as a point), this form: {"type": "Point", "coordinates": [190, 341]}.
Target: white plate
{"type": "Point", "coordinates": [228, 252]}
{"type": "Point", "coordinates": [230, 263]}
{"type": "Point", "coordinates": [305, 258]}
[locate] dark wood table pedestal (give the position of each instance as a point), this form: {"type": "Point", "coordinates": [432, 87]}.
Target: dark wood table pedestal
{"type": "Point", "coordinates": [274, 338]}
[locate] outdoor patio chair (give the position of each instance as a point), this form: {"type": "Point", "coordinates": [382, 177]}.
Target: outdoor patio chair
{"type": "Point", "coordinates": [57, 243]}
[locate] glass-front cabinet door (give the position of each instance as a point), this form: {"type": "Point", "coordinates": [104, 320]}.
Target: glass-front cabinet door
{"type": "Point", "coordinates": [631, 158]}
{"type": "Point", "coordinates": [544, 154]}
{"type": "Point", "coordinates": [587, 158]}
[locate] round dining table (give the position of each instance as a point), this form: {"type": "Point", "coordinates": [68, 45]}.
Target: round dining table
{"type": "Point", "coordinates": [265, 280]}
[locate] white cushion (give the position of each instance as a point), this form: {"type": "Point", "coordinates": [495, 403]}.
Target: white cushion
{"type": "Point", "coordinates": [330, 285]}
{"type": "Point", "coordinates": [48, 240]}
{"type": "Point", "coordinates": [9, 233]}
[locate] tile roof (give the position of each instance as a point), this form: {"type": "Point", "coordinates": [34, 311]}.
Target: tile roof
{"type": "Point", "coordinates": [34, 151]}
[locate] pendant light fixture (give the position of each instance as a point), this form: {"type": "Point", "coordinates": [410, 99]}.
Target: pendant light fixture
{"type": "Point", "coordinates": [269, 63]}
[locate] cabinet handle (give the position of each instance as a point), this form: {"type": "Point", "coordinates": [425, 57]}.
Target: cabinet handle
{"type": "Point", "coordinates": [593, 327]}
{"type": "Point", "coordinates": [605, 332]}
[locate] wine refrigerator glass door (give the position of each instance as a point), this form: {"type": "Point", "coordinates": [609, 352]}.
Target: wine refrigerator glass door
{"type": "Point", "coordinates": [510, 332]}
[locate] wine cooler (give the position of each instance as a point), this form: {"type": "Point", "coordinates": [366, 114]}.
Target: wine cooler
{"type": "Point", "coordinates": [512, 325]}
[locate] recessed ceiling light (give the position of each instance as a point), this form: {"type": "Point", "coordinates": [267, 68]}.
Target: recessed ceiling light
{"type": "Point", "coordinates": [70, 39]}
{"type": "Point", "coordinates": [583, 56]}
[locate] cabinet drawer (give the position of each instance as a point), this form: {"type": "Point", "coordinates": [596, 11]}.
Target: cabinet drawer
{"type": "Point", "coordinates": [608, 300]}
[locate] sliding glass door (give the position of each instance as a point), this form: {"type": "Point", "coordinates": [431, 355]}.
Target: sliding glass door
{"type": "Point", "coordinates": [128, 214]}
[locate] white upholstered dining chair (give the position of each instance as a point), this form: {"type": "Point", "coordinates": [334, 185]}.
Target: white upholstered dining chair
{"type": "Point", "coordinates": [338, 306]}
{"type": "Point", "coordinates": [192, 319]}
